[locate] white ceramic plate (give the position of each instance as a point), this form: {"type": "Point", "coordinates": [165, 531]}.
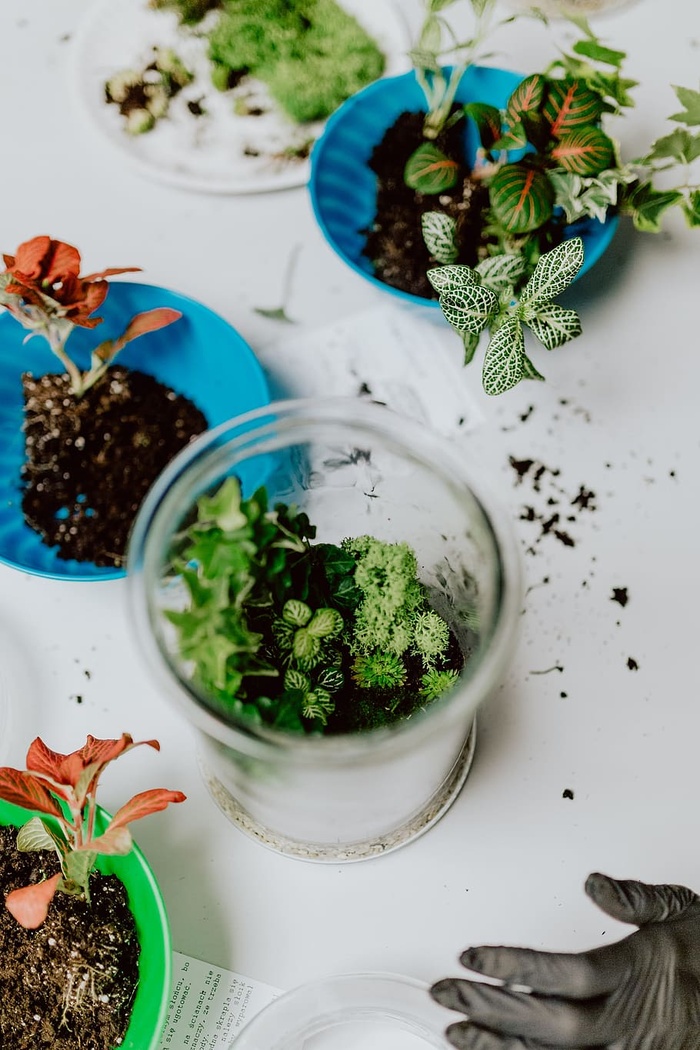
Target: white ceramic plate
{"type": "Point", "coordinates": [219, 152]}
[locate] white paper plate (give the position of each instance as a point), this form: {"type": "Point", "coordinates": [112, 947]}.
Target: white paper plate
{"type": "Point", "coordinates": [208, 153]}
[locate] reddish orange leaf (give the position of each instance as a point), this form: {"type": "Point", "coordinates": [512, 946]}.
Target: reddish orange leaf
{"type": "Point", "coordinates": [149, 321]}
{"type": "Point", "coordinates": [30, 905]}
{"type": "Point", "coordinates": [143, 804]}
{"type": "Point", "coordinates": [30, 256]}
{"type": "Point", "coordinates": [22, 789]}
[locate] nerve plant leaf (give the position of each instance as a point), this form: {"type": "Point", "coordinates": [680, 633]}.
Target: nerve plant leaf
{"type": "Point", "coordinates": [554, 272]}
{"type": "Point", "coordinates": [501, 272]}
{"type": "Point", "coordinates": [35, 835]}
{"type": "Point", "coordinates": [503, 364]}
{"type": "Point", "coordinates": [553, 325]}
{"type": "Point", "coordinates": [445, 278]}
{"type": "Point", "coordinates": [429, 171]}
{"type": "Point", "coordinates": [469, 309]}
{"type": "Point", "coordinates": [439, 234]}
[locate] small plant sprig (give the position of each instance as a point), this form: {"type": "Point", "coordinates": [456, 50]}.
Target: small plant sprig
{"type": "Point", "coordinates": [474, 300]}
{"type": "Point", "coordinates": [42, 288]}
{"type": "Point", "coordinates": [63, 788]}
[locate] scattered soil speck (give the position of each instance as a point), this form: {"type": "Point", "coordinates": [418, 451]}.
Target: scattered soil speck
{"type": "Point", "coordinates": [620, 596]}
{"type": "Point", "coordinates": [567, 793]}
{"type": "Point", "coordinates": [632, 664]}
{"type": "Point", "coordinates": [77, 697]}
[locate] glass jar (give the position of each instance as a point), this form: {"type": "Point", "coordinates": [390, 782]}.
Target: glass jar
{"type": "Point", "coordinates": [355, 468]}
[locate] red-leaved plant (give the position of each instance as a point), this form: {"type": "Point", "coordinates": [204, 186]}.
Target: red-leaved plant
{"type": "Point", "coordinates": [51, 779]}
{"type": "Point", "coordinates": [42, 288]}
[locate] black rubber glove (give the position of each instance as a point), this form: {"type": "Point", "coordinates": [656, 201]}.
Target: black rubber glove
{"type": "Point", "coordinates": [642, 993]}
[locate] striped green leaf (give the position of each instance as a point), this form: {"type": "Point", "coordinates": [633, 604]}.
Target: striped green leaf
{"type": "Point", "coordinates": [488, 121]}
{"type": "Point", "coordinates": [440, 236]}
{"type": "Point", "coordinates": [514, 138]}
{"type": "Point", "coordinates": [471, 342]}
{"type": "Point", "coordinates": [501, 272]}
{"type": "Point", "coordinates": [503, 365]}
{"type": "Point", "coordinates": [428, 170]}
{"type": "Point", "coordinates": [529, 370]}
{"type": "Point", "coordinates": [527, 98]}
{"type": "Point", "coordinates": [554, 272]}
{"type": "Point", "coordinates": [586, 151]}
{"type": "Point", "coordinates": [469, 309]}
{"type": "Point", "coordinates": [569, 104]}
{"type": "Point", "coordinates": [554, 326]}
{"type": "Point", "coordinates": [522, 198]}
{"type": "Point", "coordinates": [451, 278]}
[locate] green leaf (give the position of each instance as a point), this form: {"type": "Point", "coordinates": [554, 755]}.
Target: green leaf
{"type": "Point", "coordinates": [691, 100]}
{"type": "Point", "coordinates": [224, 507]}
{"type": "Point", "coordinates": [527, 98]}
{"type": "Point", "coordinates": [326, 623]}
{"type": "Point", "coordinates": [471, 342]}
{"type": "Point", "coordinates": [469, 309]}
{"type": "Point", "coordinates": [488, 121]}
{"type": "Point", "coordinates": [296, 613]}
{"type": "Point", "coordinates": [451, 278]}
{"type": "Point", "coordinates": [569, 105]}
{"type": "Point", "coordinates": [429, 171]}
{"type": "Point", "coordinates": [522, 197]}
{"type": "Point", "coordinates": [599, 53]}
{"type": "Point", "coordinates": [440, 236]}
{"type": "Point", "coordinates": [501, 272]}
{"type": "Point", "coordinates": [514, 138]}
{"type": "Point", "coordinates": [554, 326]}
{"type": "Point", "coordinates": [691, 209]}
{"type": "Point", "coordinates": [586, 151]}
{"type": "Point", "coordinates": [647, 205]}
{"type": "Point", "coordinates": [77, 866]}
{"type": "Point", "coordinates": [503, 364]}
{"type": "Point", "coordinates": [554, 272]}
{"type": "Point", "coordinates": [680, 145]}
{"type": "Point", "coordinates": [294, 679]}
{"type": "Point", "coordinates": [35, 835]}
{"type": "Point", "coordinates": [529, 370]}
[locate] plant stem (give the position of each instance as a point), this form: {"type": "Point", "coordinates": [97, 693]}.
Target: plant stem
{"type": "Point", "coordinates": [58, 347]}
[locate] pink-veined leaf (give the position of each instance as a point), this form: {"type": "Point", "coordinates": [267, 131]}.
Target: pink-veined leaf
{"type": "Point", "coordinates": [142, 324]}
{"type": "Point", "coordinates": [584, 152]}
{"type": "Point", "coordinates": [114, 842]}
{"type": "Point", "coordinates": [429, 171]}
{"type": "Point", "coordinates": [522, 197]}
{"type": "Point", "coordinates": [30, 905]}
{"type": "Point", "coordinates": [570, 104]}
{"type": "Point", "coordinates": [527, 98]}
{"type": "Point", "coordinates": [143, 804]}
{"type": "Point", "coordinates": [22, 789]}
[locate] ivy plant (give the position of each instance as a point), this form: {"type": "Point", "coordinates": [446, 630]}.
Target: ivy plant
{"type": "Point", "coordinates": [481, 299]}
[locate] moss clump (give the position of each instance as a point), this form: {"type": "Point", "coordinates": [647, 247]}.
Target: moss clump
{"type": "Point", "coordinates": [311, 53]}
{"type": "Point", "coordinates": [189, 11]}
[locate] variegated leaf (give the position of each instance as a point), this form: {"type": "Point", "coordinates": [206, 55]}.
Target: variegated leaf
{"type": "Point", "coordinates": [34, 835]}
{"type": "Point", "coordinates": [451, 278]}
{"type": "Point", "coordinates": [471, 342]}
{"type": "Point", "coordinates": [554, 272]}
{"type": "Point", "coordinates": [527, 98]}
{"type": "Point", "coordinates": [529, 370]}
{"type": "Point", "coordinates": [429, 171]}
{"type": "Point", "coordinates": [469, 309]}
{"type": "Point", "coordinates": [570, 104]}
{"type": "Point", "coordinates": [503, 364]}
{"type": "Point", "coordinates": [522, 198]}
{"type": "Point", "coordinates": [439, 234]}
{"type": "Point", "coordinates": [586, 151]}
{"type": "Point", "coordinates": [554, 326]}
{"type": "Point", "coordinates": [501, 272]}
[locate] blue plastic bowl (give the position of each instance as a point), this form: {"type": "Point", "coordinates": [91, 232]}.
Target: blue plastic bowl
{"type": "Point", "coordinates": [200, 356]}
{"type": "Point", "coordinates": [344, 188]}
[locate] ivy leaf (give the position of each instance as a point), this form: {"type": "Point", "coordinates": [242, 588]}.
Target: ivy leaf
{"type": "Point", "coordinates": [691, 100]}
{"type": "Point", "coordinates": [527, 98]}
{"type": "Point", "coordinates": [647, 205]}
{"type": "Point", "coordinates": [554, 272]}
{"type": "Point", "coordinates": [554, 326]}
{"type": "Point", "coordinates": [691, 209]}
{"type": "Point", "coordinates": [488, 121]}
{"type": "Point", "coordinates": [529, 370]}
{"type": "Point", "coordinates": [440, 236]}
{"type": "Point", "coordinates": [571, 104]}
{"type": "Point", "coordinates": [428, 170]}
{"type": "Point", "coordinates": [522, 197]}
{"type": "Point", "coordinates": [451, 278]}
{"type": "Point", "coordinates": [586, 151]}
{"type": "Point", "coordinates": [503, 365]}
{"type": "Point", "coordinates": [469, 309]}
{"type": "Point", "coordinates": [471, 342]}
{"type": "Point", "coordinates": [599, 53]}
{"type": "Point", "coordinates": [501, 272]}
{"type": "Point", "coordinates": [680, 145]}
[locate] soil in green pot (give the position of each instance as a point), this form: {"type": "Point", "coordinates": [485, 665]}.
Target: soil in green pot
{"type": "Point", "coordinates": [70, 984]}
{"type": "Point", "coordinates": [90, 461]}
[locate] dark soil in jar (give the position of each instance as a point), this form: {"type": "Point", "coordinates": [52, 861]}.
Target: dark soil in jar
{"type": "Point", "coordinates": [70, 984]}
{"type": "Point", "coordinates": [90, 461]}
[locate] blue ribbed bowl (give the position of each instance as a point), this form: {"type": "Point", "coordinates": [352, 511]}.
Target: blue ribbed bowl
{"type": "Point", "coordinates": [344, 188]}
{"type": "Point", "coordinates": [200, 356]}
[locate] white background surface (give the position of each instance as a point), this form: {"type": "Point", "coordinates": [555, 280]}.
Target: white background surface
{"type": "Point", "coordinates": [508, 861]}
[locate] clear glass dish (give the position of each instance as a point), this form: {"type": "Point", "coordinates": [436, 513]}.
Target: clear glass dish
{"type": "Point", "coordinates": [370, 1011]}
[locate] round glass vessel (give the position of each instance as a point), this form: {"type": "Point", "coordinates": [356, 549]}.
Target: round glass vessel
{"type": "Point", "coordinates": [354, 468]}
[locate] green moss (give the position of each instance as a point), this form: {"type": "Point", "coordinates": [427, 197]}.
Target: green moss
{"type": "Point", "coordinates": [189, 11]}
{"type": "Point", "coordinates": [311, 53]}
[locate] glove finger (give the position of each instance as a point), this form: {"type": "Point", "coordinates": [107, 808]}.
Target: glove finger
{"type": "Point", "coordinates": [466, 1036]}
{"type": "Point", "coordinates": [637, 902]}
{"type": "Point", "coordinates": [554, 1022]}
{"type": "Point", "coordinates": [581, 976]}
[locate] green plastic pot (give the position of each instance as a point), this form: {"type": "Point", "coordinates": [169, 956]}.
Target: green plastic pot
{"type": "Point", "coordinates": [155, 960]}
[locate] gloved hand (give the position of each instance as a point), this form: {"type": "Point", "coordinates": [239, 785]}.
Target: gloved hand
{"type": "Point", "coordinates": [642, 993]}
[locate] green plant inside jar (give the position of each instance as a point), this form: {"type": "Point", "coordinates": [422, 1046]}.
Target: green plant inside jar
{"type": "Point", "coordinates": [313, 638]}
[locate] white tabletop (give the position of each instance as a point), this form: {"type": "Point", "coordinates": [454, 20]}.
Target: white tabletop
{"type": "Point", "coordinates": [618, 415]}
